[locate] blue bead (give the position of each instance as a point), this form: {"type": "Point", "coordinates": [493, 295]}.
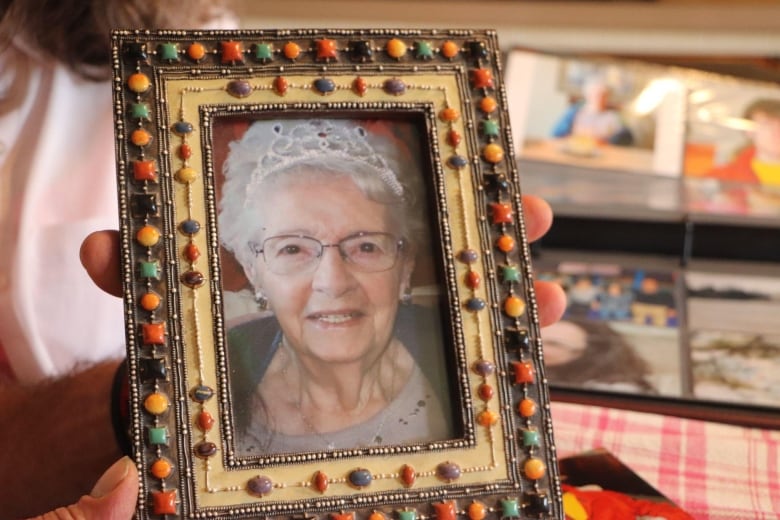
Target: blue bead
{"type": "Point", "coordinates": [475, 304]}
{"type": "Point", "coordinates": [395, 86]}
{"type": "Point", "coordinates": [457, 161]}
{"type": "Point", "coordinates": [324, 85]}
{"type": "Point", "coordinates": [202, 393]}
{"type": "Point", "coordinates": [468, 256]}
{"type": "Point", "coordinates": [360, 478]}
{"type": "Point", "coordinates": [182, 128]}
{"type": "Point", "coordinates": [189, 227]}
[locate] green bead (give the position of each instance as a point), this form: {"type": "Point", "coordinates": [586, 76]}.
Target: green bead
{"type": "Point", "coordinates": [490, 128]}
{"type": "Point", "coordinates": [510, 508]}
{"type": "Point", "coordinates": [264, 52]}
{"type": "Point", "coordinates": [168, 52]}
{"type": "Point", "coordinates": [530, 438]}
{"type": "Point", "coordinates": [149, 269]}
{"type": "Point", "coordinates": [510, 273]}
{"type": "Point", "coordinates": [158, 435]}
{"type": "Point", "coordinates": [407, 515]}
{"type": "Point", "coordinates": [423, 50]}
{"type": "Point", "coordinates": [139, 111]}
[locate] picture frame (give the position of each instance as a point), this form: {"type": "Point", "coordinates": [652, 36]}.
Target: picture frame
{"type": "Point", "coordinates": [187, 105]}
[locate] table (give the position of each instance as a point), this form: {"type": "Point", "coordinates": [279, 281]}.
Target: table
{"type": "Point", "coordinates": [714, 471]}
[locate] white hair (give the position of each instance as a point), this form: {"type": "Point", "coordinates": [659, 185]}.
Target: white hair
{"type": "Point", "coordinates": [274, 152]}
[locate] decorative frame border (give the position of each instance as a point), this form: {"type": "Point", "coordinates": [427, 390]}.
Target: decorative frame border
{"type": "Point", "coordinates": [504, 465]}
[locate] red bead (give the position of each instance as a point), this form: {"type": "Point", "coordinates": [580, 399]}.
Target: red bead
{"type": "Point", "coordinates": [453, 138]}
{"type": "Point", "coordinates": [144, 171]}
{"type": "Point", "coordinates": [408, 475]}
{"type": "Point", "coordinates": [524, 372]}
{"type": "Point", "coordinates": [280, 85]}
{"type": "Point", "coordinates": [184, 151]}
{"type": "Point", "coordinates": [320, 481]}
{"type": "Point", "coordinates": [473, 279]}
{"type": "Point", "coordinates": [485, 392]}
{"type": "Point", "coordinates": [191, 252]}
{"type": "Point", "coordinates": [164, 502]}
{"type": "Point", "coordinates": [232, 52]}
{"type": "Point", "coordinates": [205, 421]}
{"type": "Point", "coordinates": [481, 78]}
{"type": "Point", "coordinates": [501, 213]}
{"type": "Point", "coordinates": [153, 333]}
{"type": "Point", "coordinates": [360, 86]}
{"type": "Point", "coordinates": [326, 49]}
{"type": "Point", "coordinates": [445, 510]}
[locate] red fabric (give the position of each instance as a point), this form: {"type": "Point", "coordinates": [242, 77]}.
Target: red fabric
{"type": "Point", "coordinates": [610, 505]}
{"type": "Point", "coordinates": [738, 170]}
{"type": "Point", "coordinates": [712, 471]}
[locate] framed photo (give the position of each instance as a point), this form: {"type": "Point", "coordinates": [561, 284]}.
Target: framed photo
{"type": "Point", "coordinates": [645, 333]}
{"type": "Point", "coordinates": [327, 281]}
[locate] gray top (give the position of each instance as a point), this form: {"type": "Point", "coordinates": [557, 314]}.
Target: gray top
{"type": "Point", "coordinates": [415, 415]}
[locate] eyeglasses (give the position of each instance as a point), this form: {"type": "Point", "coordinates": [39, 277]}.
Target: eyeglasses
{"type": "Point", "coordinates": [365, 252]}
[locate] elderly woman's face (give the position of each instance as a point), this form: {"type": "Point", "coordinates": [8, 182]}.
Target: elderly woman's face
{"type": "Point", "coordinates": [331, 311]}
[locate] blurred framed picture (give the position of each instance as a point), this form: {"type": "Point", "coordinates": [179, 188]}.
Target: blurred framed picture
{"type": "Point", "coordinates": [312, 221]}
{"type": "Point", "coordinates": [617, 136]}
{"type": "Point", "coordinates": [644, 333]}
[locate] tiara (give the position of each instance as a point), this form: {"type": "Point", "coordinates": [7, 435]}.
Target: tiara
{"type": "Point", "coordinates": [340, 142]}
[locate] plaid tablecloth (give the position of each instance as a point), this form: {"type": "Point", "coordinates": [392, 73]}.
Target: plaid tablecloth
{"type": "Point", "coordinates": [713, 471]}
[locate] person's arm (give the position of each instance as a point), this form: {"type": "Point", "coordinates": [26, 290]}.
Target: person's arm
{"type": "Point", "coordinates": [57, 440]}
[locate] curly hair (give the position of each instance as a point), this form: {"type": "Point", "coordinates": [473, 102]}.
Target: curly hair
{"type": "Point", "coordinates": [77, 32]}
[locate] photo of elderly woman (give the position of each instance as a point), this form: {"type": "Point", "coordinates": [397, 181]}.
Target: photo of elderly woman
{"type": "Point", "coordinates": [327, 221]}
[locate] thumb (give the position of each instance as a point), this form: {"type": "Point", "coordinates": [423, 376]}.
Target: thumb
{"type": "Point", "coordinates": [113, 497]}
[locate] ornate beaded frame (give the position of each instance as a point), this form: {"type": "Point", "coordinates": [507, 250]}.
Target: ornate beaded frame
{"type": "Point", "coordinates": [169, 87]}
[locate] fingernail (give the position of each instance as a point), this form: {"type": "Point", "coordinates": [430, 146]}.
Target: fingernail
{"type": "Point", "coordinates": [111, 478]}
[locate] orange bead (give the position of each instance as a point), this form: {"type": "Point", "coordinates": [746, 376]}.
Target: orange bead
{"type": "Point", "coordinates": [476, 511]}
{"type": "Point", "coordinates": [505, 243]}
{"type": "Point", "coordinates": [449, 49]}
{"type": "Point", "coordinates": [140, 137]}
{"type": "Point", "coordinates": [161, 469]}
{"type": "Point", "coordinates": [377, 515]}
{"type": "Point", "coordinates": [514, 306]}
{"type": "Point", "coordinates": [396, 48]}
{"type": "Point", "coordinates": [156, 403]}
{"type": "Point", "coordinates": [488, 104]}
{"type": "Point", "coordinates": [148, 236]}
{"type": "Point", "coordinates": [534, 468]}
{"type": "Point", "coordinates": [493, 153]}
{"type": "Point", "coordinates": [487, 418]}
{"type": "Point", "coordinates": [449, 114]}
{"type": "Point", "coordinates": [150, 301]}
{"type": "Point", "coordinates": [138, 82]}
{"type": "Point", "coordinates": [291, 50]}
{"type": "Point", "coordinates": [196, 51]}
{"type": "Point", "coordinates": [527, 407]}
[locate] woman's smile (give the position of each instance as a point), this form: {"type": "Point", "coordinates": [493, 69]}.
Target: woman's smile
{"type": "Point", "coordinates": [333, 311]}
